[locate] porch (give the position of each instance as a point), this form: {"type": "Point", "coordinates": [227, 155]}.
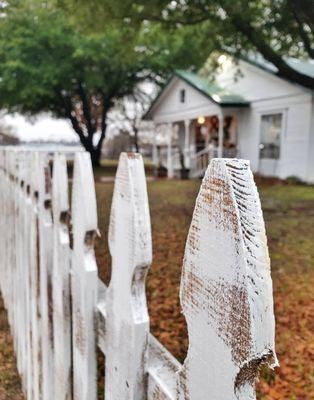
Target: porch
{"type": "Point", "coordinates": [192, 143]}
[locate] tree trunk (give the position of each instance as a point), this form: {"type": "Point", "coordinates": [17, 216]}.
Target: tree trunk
{"type": "Point", "coordinates": [137, 147]}
{"type": "Point", "coordinates": [95, 157]}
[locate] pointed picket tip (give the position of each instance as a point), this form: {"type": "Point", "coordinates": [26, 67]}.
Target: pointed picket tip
{"type": "Point", "coordinates": [129, 227]}
{"type": "Point", "coordinates": [226, 288]}
{"type": "Point", "coordinates": [84, 207]}
{"type": "Point", "coordinates": [127, 323]}
{"type": "Point", "coordinates": [60, 185]}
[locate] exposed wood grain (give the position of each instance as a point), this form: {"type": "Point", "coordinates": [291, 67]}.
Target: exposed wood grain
{"type": "Point", "coordinates": [84, 279]}
{"type": "Point", "coordinates": [61, 282]}
{"type": "Point", "coordinates": [130, 246]}
{"type": "Point", "coordinates": [226, 288]}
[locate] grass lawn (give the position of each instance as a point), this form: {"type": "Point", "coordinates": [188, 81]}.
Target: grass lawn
{"type": "Point", "coordinates": [289, 217]}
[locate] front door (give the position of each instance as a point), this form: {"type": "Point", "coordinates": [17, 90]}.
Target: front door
{"type": "Point", "coordinates": [271, 126]}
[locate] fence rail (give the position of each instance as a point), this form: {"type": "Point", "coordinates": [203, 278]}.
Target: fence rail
{"type": "Point", "coordinates": [59, 310]}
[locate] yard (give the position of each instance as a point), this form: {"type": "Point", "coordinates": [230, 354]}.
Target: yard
{"type": "Point", "coordinates": [289, 216]}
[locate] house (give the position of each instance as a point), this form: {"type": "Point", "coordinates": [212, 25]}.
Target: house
{"type": "Point", "coordinates": [246, 112]}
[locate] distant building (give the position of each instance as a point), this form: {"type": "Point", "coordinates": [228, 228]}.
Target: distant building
{"type": "Point", "coordinates": [253, 115]}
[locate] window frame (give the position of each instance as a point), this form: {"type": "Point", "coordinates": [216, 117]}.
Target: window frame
{"type": "Point", "coordinates": [182, 95]}
{"type": "Point", "coordinates": [265, 113]}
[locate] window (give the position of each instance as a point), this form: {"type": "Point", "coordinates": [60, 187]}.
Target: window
{"type": "Point", "coordinates": [271, 127]}
{"type": "Point", "coordinates": [182, 96]}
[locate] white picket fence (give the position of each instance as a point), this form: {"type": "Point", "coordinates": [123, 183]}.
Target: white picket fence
{"type": "Point", "coordinates": [59, 310]}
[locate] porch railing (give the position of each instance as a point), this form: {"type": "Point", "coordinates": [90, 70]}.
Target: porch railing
{"type": "Point", "coordinates": [200, 160]}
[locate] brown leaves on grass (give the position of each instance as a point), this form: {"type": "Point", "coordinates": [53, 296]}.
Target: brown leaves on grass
{"type": "Point", "coordinates": [10, 385]}
{"type": "Point", "coordinates": [290, 230]}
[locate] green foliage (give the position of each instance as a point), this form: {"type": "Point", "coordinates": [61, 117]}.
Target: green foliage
{"type": "Point", "coordinates": [275, 29]}
{"type": "Point", "coordinates": [51, 61]}
{"type": "Point", "coordinates": [47, 64]}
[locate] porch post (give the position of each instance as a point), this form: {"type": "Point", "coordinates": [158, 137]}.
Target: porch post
{"type": "Point", "coordinates": [187, 143]}
{"type": "Point", "coordinates": [169, 152]}
{"type": "Point", "coordinates": [221, 135]}
{"type": "Point", "coordinates": [155, 156]}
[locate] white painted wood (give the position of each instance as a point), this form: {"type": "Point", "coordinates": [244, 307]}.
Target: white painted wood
{"type": "Point", "coordinates": [84, 279]}
{"type": "Point", "coordinates": [130, 246]}
{"type": "Point", "coordinates": [226, 288]}
{"type": "Point", "coordinates": [266, 93]}
{"type": "Point", "coordinates": [187, 160]}
{"type": "Point", "coordinates": [62, 380]}
{"type": "Point", "coordinates": [169, 109]}
{"type": "Point", "coordinates": [34, 284]}
{"type": "Point", "coordinates": [43, 186]}
{"type": "Point", "coordinates": [170, 172]}
{"type": "Point", "coordinates": [220, 135]}
{"type": "Point", "coordinates": [23, 269]}
{"type": "Point", "coordinates": [162, 372]}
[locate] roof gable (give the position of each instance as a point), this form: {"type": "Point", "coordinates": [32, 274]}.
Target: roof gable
{"type": "Point", "coordinates": [211, 94]}
{"type": "Point", "coordinates": [211, 90]}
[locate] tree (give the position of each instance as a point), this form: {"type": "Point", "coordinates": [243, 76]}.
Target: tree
{"type": "Point", "coordinates": [49, 65]}
{"type": "Point", "coordinates": [276, 29]}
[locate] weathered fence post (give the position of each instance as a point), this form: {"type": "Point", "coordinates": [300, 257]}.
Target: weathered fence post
{"type": "Point", "coordinates": [22, 266]}
{"type": "Point", "coordinates": [45, 230]}
{"type": "Point", "coordinates": [35, 360]}
{"type": "Point", "coordinates": [61, 282]}
{"type": "Point", "coordinates": [226, 288]}
{"type": "Point", "coordinates": [84, 279]}
{"type": "Point", "coordinates": [127, 324]}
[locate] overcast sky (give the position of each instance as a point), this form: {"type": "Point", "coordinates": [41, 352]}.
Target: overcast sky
{"type": "Point", "coordinates": [42, 128]}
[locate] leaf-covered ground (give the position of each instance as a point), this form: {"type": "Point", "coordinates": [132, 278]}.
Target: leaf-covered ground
{"type": "Point", "coordinates": [10, 385]}
{"type": "Point", "coordinates": [289, 216]}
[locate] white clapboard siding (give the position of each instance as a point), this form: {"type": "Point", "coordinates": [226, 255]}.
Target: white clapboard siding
{"type": "Point", "coordinates": [127, 324]}
{"type": "Point", "coordinates": [61, 282]}
{"type": "Point", "coordinates": [84, 279]}
{"type": "Point", "coordinates": [59, 310]}
{"type": "Point", "coordinates": [226, 288]}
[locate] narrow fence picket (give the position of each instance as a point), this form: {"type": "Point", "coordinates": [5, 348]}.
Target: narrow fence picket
{"type": "Point", "coordinates": [226, 288]}
{"type": "Point", "coordinates": [127, 324]}
{"type": "Point", "coordinates": [45, 248]}
{"type": "Point", "coordinates": [59, 310]}
{"type": "Point", "coordinates": [61, 282]}
{"type": "Point", "coordinates": [84, 279]}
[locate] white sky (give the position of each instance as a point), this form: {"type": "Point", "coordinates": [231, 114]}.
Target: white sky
{"type": "Point", "coordinates": [43, 128]}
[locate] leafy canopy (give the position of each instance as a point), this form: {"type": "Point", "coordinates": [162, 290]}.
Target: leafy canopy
{"type": "Point", "coordinates": [49, 63]}
{"type": "Point", "coordinates": [276, 29]}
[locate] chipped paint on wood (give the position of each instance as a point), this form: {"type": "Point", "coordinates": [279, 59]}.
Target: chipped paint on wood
{"type": "Point", "coordinates": [226, 288]}
{"type": "Point", "coordinates": [42, 187]}
{"type": "Point", "coordinates": [84, 279]}
{"type": "Point", "coordinates": [162, 371]}
{"type": "Point", "coordinates": [130, 246]}
{"type": "Point", "coordinates": [61, 282]}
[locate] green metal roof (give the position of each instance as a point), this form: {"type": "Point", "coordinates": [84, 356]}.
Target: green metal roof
{"type": "Point", "coordinates": [211, 90]}
{"type": "Point", "coordinates": [303, 66]}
